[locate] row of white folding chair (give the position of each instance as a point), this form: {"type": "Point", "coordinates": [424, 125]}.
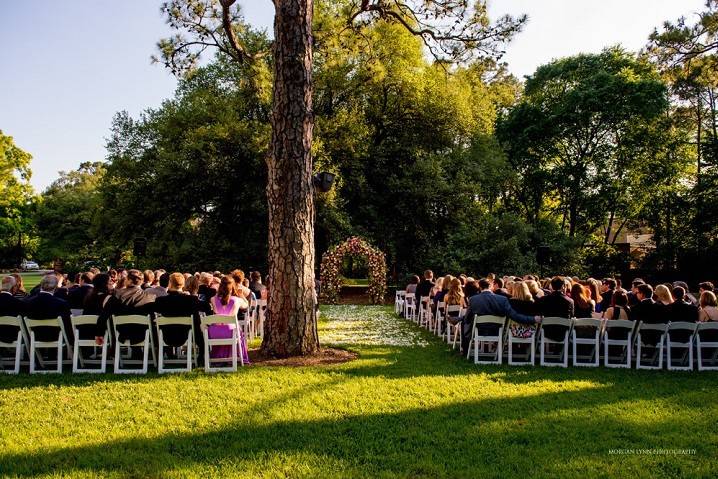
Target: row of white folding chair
{"type": "Point", "coordinates": [602, 328]}
{"type": "Point", "coordinates": [26, 337]}
{"type": "Point", "coordinates": [27, 341]}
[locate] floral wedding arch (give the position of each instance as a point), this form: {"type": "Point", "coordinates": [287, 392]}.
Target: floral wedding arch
{"type": "Point", "coordinates": [330, 270]}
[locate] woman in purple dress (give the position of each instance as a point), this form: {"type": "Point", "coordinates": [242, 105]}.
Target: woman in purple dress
{"type": "Point", "coordinates": [226, 303]}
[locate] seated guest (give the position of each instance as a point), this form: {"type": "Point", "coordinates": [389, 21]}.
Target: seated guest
{"type": "Point", "coordinates": [608, 287]}
{"type": "Point", "coordinates": [682, 309]}
{"type": "Point", "coordinates": [425, 287]}
{"type": "Point", "coordinates": [523, 302]}
{"type": "Point", "coordinates": [131, 299]}
{"type": "Point", "coordinates": [556, 305]}
{"type": "Point", "coordinates": [76, 296]}
{"type": "Point", "coordinates": [255, 284]}
{"type": "Point", "coordinates": [445, 285]}
{"type": "Point", "coordinates": [619, 307]}
{"type": "Point", "coordinates": [687, 296]}
{"type": "Point", "coordinates": [583, 305]}
{"type": "Point", "coordinates": [149, 278]}
{"type": "Point", "coordinates": [205, 290]}
{"type": "Point", "coordinates": [45, 305]}
{"type": "Point", "coordinates": [709, 307]}
{"type": "Point", "coordinates": [534, 289]}
{"type": "Point", "coordinates": [644, 310]}
{"type": "Point", "coordinates": [161, 288]}
{"type": "Point", "coordinates": [663, 299]}
{"type": "Point", "coordinates": [454, 297]}
{"type": "Point", "coordinates": [633, 294]}
{"type": "Point", "coordinates": [471, 289]}
{"type": "Point", "coordinates": [488, 303]}
{"type": "Point", "coordinates": [242, 290]}
{"type": "Point", "coordinates": [19, 289]}
{"type": "Point", "coordinates": [96, 301]}
{"type": "Point", "coordinates": [191, 287]}
{"type": "Point", "coordinates": [413, 283]}
{"type": "Point", "coordinates": [705, 286]}
{"type": "Point", "coordinates": [9, 306]}
{"type": "Point", "coordinates": [498, 288]}
{"type": "Point", "coordinates": [226, 303]}
{"type": "Point", "coordinates": [178, 303]}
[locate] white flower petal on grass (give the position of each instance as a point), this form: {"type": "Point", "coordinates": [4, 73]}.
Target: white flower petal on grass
{"type": "Point", "coordinates": [369, 325]}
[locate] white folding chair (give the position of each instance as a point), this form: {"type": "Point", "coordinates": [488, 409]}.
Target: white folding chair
{"type": "Point", "coordinates": [622, 360]}
{"type": "Point", "coordinates": [261, 316]}
{"type": "Point", "coordinates": [233, 342]}
{"type": "Point", "coordinates": [453, 331]}
{"type": "Point", "coordinates": [546, 341]}
{"type": "Point", "coordinates": [399, 301]}
{"type": "Point", "coordinates": [12, 322]}
{"type": "Point", "coordinates": [424, 318]}
{"type": "Point", "coordinates": [658, 329]}
{"type": "Point", "coordinates": [581, 336]}
{"type": "Point", "coordinates": [36, 345]}
{"type": "Point", "coordinates": [673, 343]}
{"type": "Point", "coordinates": [410, 306]}
{"type": "Point", "coordinates": [704, 343]}
{"type": "Point", "coordinates": [530, 357]}
{"type": "Point", "coordinates": [147, 344]}
{"type": "Point", "coordinates": [78, 362]}
{"type": "Point", "coordinates": [485, 340]}
{"type": "Point", "coordinates": [252, 318]}
{"type": "Point", "coordinates": [162, 322]}
{"type": "Point", "coordinates": [439, 317]}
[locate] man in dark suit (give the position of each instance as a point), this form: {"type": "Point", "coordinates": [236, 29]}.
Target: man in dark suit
{"type": "Point", "coordinates": [556, 305]}
{"type": "Point", "coordinates": [175, 304]}
{"type": "Point", "coordinates": [647, 311]}
{"type": "Point", "coordinates": [682, 309]}
{"type": "Point", "coordinates": [9, 306]}
{"type": "Point", "coordinates": [488, 303]}
{"type": "Point", "coordinates": [45, 305]}
{"type": "Point", "coordinates": [76, 296]}
{"type": "Point", "coordinates": [425, 286]}
{"type": "Point", "coordinates": [608, 287]}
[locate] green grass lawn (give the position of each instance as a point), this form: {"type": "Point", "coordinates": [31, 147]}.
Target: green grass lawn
{"type": "Point", "coordinates": [408, 407]}
{"type": "Point", "coordinates": [30, 280]}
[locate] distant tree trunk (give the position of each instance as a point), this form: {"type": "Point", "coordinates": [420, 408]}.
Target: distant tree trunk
{"type": "Point", "coordinates": [291, 327]}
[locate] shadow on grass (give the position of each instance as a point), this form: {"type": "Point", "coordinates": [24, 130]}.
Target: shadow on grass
{"type": "Point", "coordinates": [548, 433]}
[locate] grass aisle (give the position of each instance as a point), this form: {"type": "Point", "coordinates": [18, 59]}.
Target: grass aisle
{"type": "Point", "coordinates": [407, 407]}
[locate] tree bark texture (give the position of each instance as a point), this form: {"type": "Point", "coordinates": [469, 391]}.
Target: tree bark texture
{"type": "Point", "coordinates": [290, 326]}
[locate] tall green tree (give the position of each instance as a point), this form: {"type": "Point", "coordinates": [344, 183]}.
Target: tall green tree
{"type": "Point", "coordinates": [568, 137]}
{"type": "Point", "coordinates": [451, 30]}
{"type": "Point", "coordinates": [16, 201]}
{"type": "Point", "coordinates": [67, 216]}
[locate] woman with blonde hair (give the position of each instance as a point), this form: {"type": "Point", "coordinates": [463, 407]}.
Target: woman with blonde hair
{"type": "Point", "coordinates": [454, 297]}
{"type": "Point", "coordinates": [534, 289]}
{"type": "Point", "coordinates": [709, 307]}
{"type": "Point", "coordinates": [662, 295]}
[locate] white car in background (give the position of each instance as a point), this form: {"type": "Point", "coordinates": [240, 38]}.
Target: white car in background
{"type": "Point", "coordinates": [29, 265]}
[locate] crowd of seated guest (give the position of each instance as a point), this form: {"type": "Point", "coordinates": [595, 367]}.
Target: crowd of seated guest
{"type": "Point", "coordinates": [125, 292]}
{"type": "Point", "coordinates": [528, 299]}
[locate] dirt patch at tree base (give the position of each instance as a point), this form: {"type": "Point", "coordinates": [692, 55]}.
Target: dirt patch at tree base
{"type": "Point", "coordinates": [325, 357]}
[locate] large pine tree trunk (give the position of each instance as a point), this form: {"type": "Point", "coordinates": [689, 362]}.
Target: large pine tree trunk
{"type": "Point", "coordinates": [290, 328]}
